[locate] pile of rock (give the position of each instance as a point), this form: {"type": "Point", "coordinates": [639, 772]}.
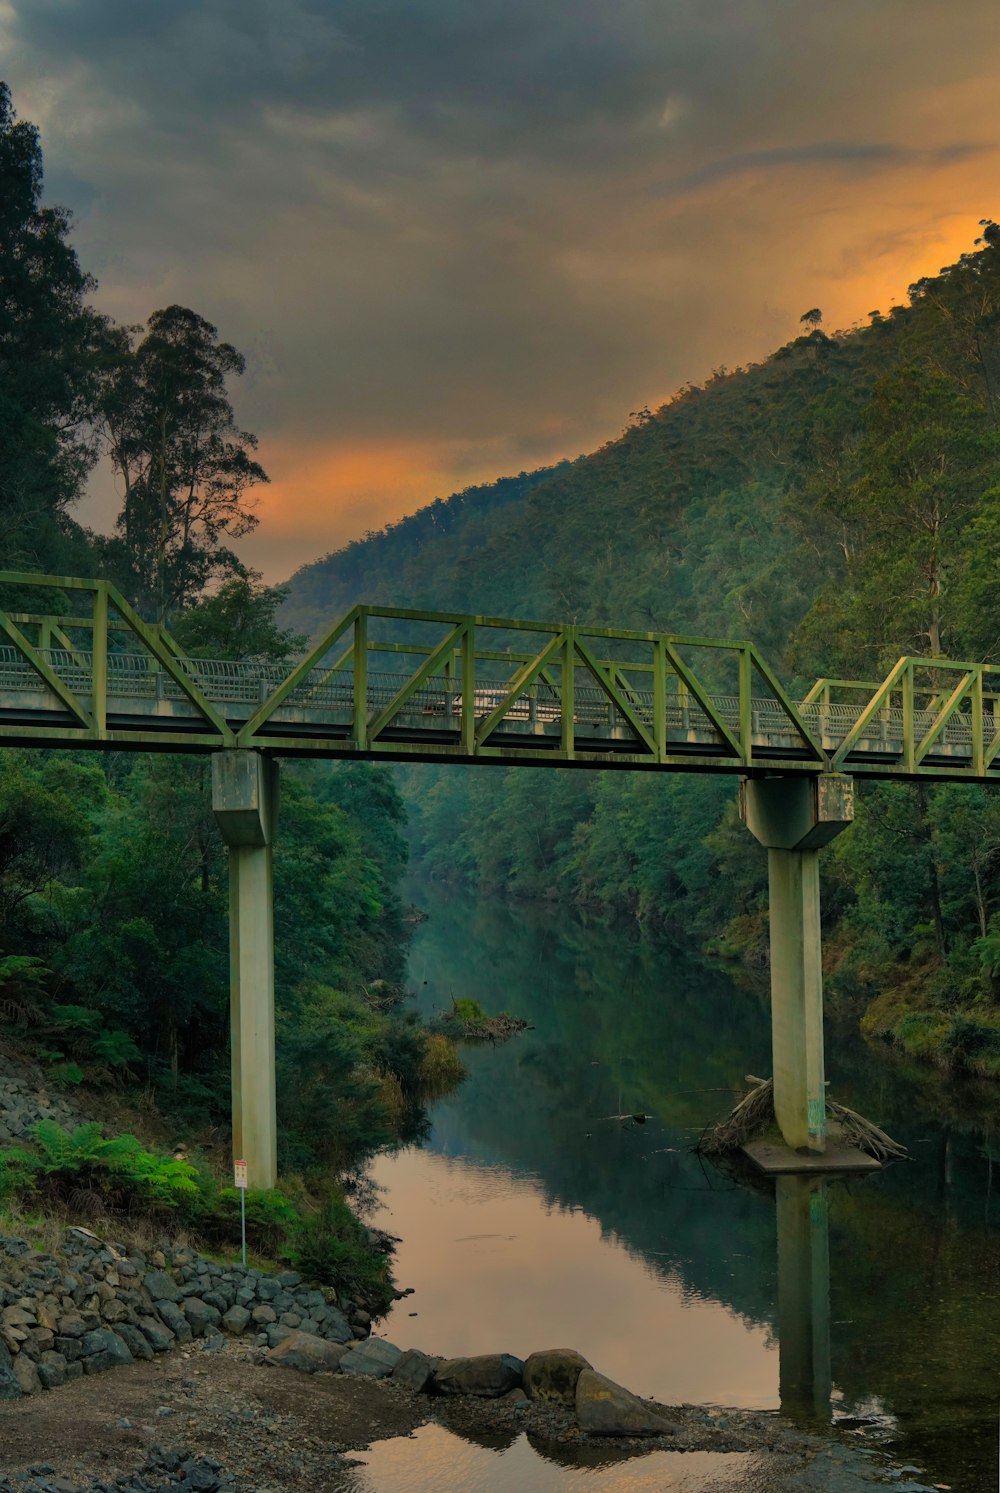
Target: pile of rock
{"type": "Point", "coordinates": [25, 1099]}
{"type": "Point", "coordinates": [162, 1469]}
{"type": "Point", "coordinates": [95, 1305]}
{"type": "Point", "coordinates": [554, 1377]}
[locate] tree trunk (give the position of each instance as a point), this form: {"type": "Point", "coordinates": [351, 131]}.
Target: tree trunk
{"type": "Point", "coordinates": [933, 879]}
{"type": "Point", "coordinates": [980, 899]}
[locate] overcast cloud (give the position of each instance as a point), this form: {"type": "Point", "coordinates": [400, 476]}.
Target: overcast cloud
{"type": "Point", "coordinates": [456, 238]}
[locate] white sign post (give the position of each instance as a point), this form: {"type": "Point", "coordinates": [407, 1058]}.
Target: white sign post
{"type": "Point", "coordinates": [240, 1178]}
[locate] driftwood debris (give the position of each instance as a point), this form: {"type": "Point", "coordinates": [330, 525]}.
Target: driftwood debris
{"type": "Point", "coordinates": [495, 1028]}
{"type": "Point", "coordinates": [754, 1114]}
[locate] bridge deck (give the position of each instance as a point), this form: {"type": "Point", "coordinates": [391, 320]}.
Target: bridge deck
{"type": "Point", "coordinates": [147, 709]}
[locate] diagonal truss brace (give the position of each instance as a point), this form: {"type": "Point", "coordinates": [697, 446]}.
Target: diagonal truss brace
{"type": "Point", "coordinates": [785, 701]}
{"type": "Point", "coordinates": [690, 679]}
{"type": "Point", "coordinates": [624, 707]}
{"type": "Point", "coordinates": [46, 673]}
{"type": "Point", "coordinates": [247, 734]}
{"type": "Point", "coordinates": [443, 651]}
{"type": "Point", "coordinates": [524, 677]}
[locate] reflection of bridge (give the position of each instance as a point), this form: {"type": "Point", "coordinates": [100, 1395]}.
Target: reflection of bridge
{"type": "Point", "coordinates": [403, 685]}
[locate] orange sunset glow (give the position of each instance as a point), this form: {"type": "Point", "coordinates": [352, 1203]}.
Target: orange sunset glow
{"type": "Point", "coordinates": [463, 259]}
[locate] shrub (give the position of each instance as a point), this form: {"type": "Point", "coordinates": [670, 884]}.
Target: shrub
{"type": "Point", "coordinates": [468, 1011]}
{"type": "Point", "coordinates": [332, 1247]}
{"type": "Point", "coordinates": [270, 1218]}
{"type": "Point", "coordinates": [116, 1049]}
{"type": "Point", "coordinates": [441, 1067]}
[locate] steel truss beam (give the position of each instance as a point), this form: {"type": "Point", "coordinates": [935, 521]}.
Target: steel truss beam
{"type": "Point", "coordinates": [459, 688]}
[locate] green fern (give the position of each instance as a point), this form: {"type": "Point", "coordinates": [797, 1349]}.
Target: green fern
{"type": "Point", "coordinates": [22, 982]}
{"type": "Point", "coordinates": [63, 1150]}
{"type": "Point", "coordinates": [74, 1019]}
{"type": "Point", "coordinates": [162, 1180]}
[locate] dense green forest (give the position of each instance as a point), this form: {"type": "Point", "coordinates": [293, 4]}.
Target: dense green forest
{"type": "Point", "coordinates": [839, 505]}
{"type": "Point", "coordinates": [114, 941]}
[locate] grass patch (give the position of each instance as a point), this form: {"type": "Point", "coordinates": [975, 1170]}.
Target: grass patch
{"type": "Point", "coordinates": [80, 1176]}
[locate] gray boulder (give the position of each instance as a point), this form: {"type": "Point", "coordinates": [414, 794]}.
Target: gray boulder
{"type": "Point", "coordinates": [52, 1370]}
{"type": "Point", "coordinates": [102, 1350]}
{"type": "Point", "coordinates": [26, 1374]}
{"type": "Point", "coordinates": [414, 1371]}
{"type": "Point", "coordinates": [236, 1320]}
{"type": "Point", "coordinates": [200, 1316]}
{"type": "Point", "coordinates": [552, 1375]}
{"type": "Point", "coordinates": [175, 1320]}
{"type": "Point", "coordinates": [161, 1286]}
{"type": "Point", "coordinates": [303, 1351]}
{"type": "Point", "coordinates": [134, 1340]}
{"type": "Point", "coordinates": [336, 1326]}
{"type": "Point", "coordinates": [374, 1358]}
{"type": "Point", "coordinates": [160, 1338]}
{"type": "Point", "coordinates": [489, 1375]}
{"type": "Point", "coordinates": [606, 1409]}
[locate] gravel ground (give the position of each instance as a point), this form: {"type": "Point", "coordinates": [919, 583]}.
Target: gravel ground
{"type": "Point", "coordinates": [269, 1430]}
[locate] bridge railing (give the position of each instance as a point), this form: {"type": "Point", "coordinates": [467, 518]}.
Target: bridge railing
{"type": "Point", "coordinates": [387, 681]}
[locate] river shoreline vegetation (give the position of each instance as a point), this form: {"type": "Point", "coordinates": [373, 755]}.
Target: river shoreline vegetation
{"type": "Point", "coordinates": [114, 943]}
{"type": "Point", "coordinates": [838, 504]}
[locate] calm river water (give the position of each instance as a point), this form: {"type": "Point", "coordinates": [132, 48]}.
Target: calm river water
{"type": "Point", "coordinates": [535, 1217]}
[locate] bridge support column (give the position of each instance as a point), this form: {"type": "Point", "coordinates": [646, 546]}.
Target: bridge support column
{"type": "Point", "coordinates": [245, 803]}
{"type": "Point", "coordinates": [793, 817]}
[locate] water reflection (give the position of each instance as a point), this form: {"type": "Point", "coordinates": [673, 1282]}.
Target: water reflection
{"type": "Point", "coordinates": [803, 1228]}
{"type": "Point", "coordinates": [535, 1218]}
{"type": "Point", "coordinates": [434, 1459]}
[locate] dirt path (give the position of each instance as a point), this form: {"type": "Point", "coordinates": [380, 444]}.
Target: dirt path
{"type": "Point", "coordinates": [274, 1429]}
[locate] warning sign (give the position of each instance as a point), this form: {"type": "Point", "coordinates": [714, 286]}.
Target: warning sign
{"type": "Point", "coordinates": [240, 1173]}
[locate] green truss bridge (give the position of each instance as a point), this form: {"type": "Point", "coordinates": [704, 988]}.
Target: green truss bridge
{"type": "Point", "coordinates": [398, 684]}
{"type": "Point", "coordinates": [79, 669]}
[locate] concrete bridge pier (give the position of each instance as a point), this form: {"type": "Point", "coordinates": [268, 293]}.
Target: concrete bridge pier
{"type": "Point", "coordinates": [793, 817]}
{"type": "Point", "coordinates": [245, 804]}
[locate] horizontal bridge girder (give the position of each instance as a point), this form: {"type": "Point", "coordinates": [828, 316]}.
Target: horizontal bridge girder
{"type": "Point", "coordinates": [400, 684]}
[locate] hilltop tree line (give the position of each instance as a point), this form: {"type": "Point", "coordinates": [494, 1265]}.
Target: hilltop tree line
{"type": "Point", "coordinates": [838, 504]}
{"type": "Point", "coordinates": [113, 881]}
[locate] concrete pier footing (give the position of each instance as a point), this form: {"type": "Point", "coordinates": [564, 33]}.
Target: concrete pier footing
{"type": "Point", "coordinates": [794, 817]}
{"type": "Point", "coordinates": [245, 804]}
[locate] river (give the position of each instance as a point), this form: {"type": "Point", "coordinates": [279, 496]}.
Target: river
{"type": "Point", "coordinates": [535, 1216]}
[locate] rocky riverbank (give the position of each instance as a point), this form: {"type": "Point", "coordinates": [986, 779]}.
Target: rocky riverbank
{"type": "Point", "coordinates": [95, 1305]}
{"type": "Point", "coordinates": [217, 1421]}
{"type": "Point", "coordinates": [235, 1381]}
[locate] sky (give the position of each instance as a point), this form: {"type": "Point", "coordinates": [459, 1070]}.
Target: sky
{"type": "Point", "coordinates": [457, 239]}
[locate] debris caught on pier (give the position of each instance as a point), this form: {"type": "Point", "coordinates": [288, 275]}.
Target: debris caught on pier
{"type": "Point", "coordinates": [754, 1115]}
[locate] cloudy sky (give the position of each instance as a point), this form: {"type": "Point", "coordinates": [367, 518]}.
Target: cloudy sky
{"type": "Point", "coordinates": [459, 238]}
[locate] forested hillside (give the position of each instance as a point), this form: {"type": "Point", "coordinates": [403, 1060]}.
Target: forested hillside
{"type": "Point", "coordinates": [839, 504]}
